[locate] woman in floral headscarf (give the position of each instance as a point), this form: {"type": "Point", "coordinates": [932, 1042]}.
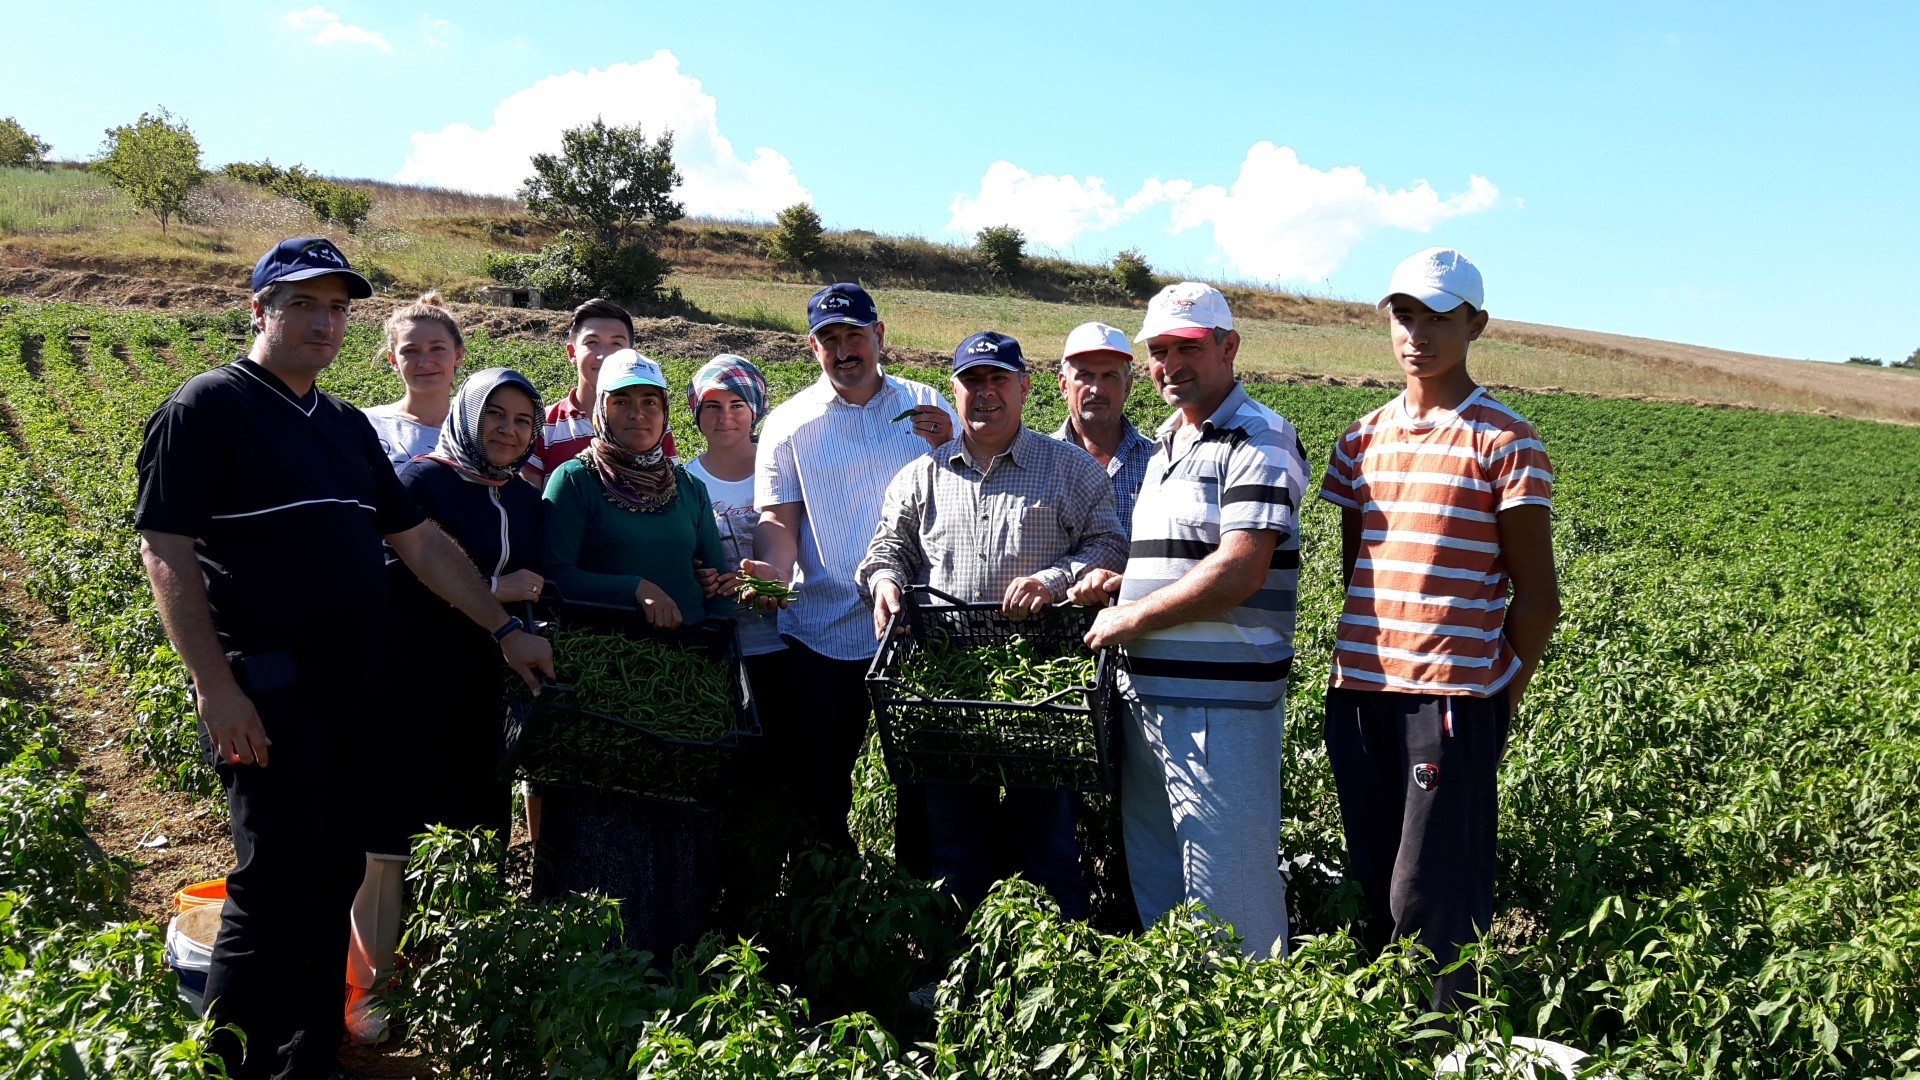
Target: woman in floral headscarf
{"type": "Point", "coordinates": [624, 524]}
{"type": "Point", "coordinates": [447, 706]}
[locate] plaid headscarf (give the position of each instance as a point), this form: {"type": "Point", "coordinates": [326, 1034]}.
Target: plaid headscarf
{"type": "Point", "coordinates": [729, 372]}
{"type": "Point", "coordinates": [463, 445]}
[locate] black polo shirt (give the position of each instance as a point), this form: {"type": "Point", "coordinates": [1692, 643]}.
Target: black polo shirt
{"type": "Point", "coordinates": [287, 497]}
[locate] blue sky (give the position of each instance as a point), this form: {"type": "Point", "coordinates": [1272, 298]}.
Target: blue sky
{"type": "Point", "coordinates": [1736, 175]}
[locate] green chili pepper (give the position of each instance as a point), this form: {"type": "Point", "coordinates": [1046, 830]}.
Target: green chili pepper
{"type": "Point", "coordinates": [765, 588]}
{"type": "Point", "coordinates": [678, 695]}
{"type": "Point", "coordinates": [904, 415]}
{"type": "Point", "coordinates": [1026, 742]}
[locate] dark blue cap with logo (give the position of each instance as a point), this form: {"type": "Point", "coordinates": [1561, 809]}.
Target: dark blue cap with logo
{"type": "Point", "coordinates": [989, 347]}
{"type": "Point", "coordinates": [843, 301]}
{"type": "Point", "coordinates": [306, 257]}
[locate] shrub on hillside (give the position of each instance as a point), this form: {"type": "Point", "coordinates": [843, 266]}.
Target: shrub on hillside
{"type": "Point", "coordinates": [1867, 361]}
{"type": "Point", "coordinates": [1132, 274]}
{"type": "Point", "coordinates": [574, 268]}
{"type": "Point", "coordinates": [1002, 248]}
{"type": "Point", "coordinates": [155, 161]}
{"type": "Point", "coordinates": [20, 148]}
{"type": "Point", "coordinates": [329, 201]}
{"type": "Point", "coordinates": [797, 237]}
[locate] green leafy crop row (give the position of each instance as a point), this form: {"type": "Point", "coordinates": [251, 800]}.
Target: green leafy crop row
{"type": "Point", "coordinates": [1710, 849]}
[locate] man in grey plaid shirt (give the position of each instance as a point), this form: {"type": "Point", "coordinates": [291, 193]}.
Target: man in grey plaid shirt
{"type": "Point", "coordinates": [1000, 514]}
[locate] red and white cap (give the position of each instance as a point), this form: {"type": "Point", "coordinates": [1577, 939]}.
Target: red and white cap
{"type": "Point", "coordinates": [1096, 337]}
{"type": "Point", "coordinates": [1440, 278]}
{"type": "Point", "coordinates": [1189, 309]}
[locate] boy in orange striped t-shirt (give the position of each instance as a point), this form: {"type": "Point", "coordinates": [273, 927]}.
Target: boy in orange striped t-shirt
{"type": "Point", "coordinates": [1445, 497]}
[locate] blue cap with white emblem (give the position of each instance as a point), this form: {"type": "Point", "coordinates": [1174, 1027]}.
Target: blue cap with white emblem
{"type": "Point", "coordinates": [989, 347]}
{"type": "Point", "coordinates": [305, 257]}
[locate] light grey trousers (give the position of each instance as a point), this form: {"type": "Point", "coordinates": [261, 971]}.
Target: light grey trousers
{"type": "Point", "coordinates": [1200, 814]}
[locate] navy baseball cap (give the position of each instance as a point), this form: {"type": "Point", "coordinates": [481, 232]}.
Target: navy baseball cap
{"type": "Point", "coordinates": [842, 302]}
{"type": "Point", "coordinates": [306, 257]}
{"type": "Point", "coordinates": [989, 347]}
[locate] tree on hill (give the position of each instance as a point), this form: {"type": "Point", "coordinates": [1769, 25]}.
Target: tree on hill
{"type": "Point", "coordinates": [608, 182]}
{"type": "Point", "coordinates": [155, 161]}
{"type": "Point", "coordinates": [1131, 274]}
{"type": "Point", "coordinates": [20, 148]}
{"type": "Point", "coordinates": [1003, 248]}
{"type": "Point", "coordinates": [607, 189]}
{"type": "Point", "coordinates": [796, 239]}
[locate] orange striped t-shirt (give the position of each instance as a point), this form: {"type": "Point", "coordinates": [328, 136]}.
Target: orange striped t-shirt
{"type": "Point", "coordinates": [1428, 600]}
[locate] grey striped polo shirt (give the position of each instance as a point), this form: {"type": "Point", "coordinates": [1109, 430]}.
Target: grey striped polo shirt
{"type": "Point", "coordinates": [1246, 470]}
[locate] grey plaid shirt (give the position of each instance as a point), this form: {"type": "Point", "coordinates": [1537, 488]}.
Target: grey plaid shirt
{"type": "Point", "coordinates": [1042, 509]}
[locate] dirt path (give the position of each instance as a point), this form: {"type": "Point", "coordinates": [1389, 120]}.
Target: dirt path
{"type": "Point", "coordinates": [170, 839]}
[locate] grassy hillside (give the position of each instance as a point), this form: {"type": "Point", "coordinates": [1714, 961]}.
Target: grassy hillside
{"type": "Point", "coordinates": [931, 294]}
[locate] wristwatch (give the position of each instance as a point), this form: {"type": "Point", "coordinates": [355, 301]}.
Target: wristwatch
{"type": "Point", "coordinates": [513, 623]}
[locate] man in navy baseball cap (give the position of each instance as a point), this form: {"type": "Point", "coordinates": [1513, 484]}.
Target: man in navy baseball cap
{"type": "Point", "coordinates": [305, 257]}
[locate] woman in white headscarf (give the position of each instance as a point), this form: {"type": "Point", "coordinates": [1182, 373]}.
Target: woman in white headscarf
{"type": "Point", "coordinates": [449, 703]}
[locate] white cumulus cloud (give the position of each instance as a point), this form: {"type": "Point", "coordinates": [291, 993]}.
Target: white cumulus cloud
{"type": "Point", "coordinates": [1280, 219]}
{"type": "Point", "coordinates": [1050, 210]}
{"type": "Point", "coordinates": [327, 28]}
{"type": "Point", "coordinates": [653, 93]}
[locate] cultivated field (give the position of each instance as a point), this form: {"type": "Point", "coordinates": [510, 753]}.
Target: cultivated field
{"type": "Point", "coordinates": [1710, 863]}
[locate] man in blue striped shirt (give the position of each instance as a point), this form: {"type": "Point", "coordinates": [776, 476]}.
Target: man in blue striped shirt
{"type": "Point", "coordinates": [1096, 378]}
{"type": "Point", "coordinates": [1206, 617]}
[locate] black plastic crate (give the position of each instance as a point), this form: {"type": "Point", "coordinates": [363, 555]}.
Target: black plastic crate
{"type": "Point", "coordinates": [1066, 741]}
{"type": "Point", "coordinates": [622, 754]}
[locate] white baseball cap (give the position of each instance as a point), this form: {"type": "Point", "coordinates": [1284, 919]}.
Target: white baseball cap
{"type": "Point", "coordinates": [1188, 309]}
{"type": "Point", "coordinates": [628, 368]}
{"type": "Point", "coordinates": [1440, 278]}
{"type": "Point", "coordinates": [1096, 337]}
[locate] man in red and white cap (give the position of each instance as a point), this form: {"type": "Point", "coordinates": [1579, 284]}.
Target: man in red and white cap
{"type": "Point", "coordinates": [1206, 617]}
{"type": "Point", "coordinates": [1096, 377]}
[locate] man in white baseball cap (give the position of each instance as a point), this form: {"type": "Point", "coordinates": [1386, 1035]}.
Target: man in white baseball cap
{"type": "Point", "coordinates": [1096, 377]}
{"type": "Point", "coordinates": [1206, 616]}
{"type": "Point", "coordinates": [1446, 552]}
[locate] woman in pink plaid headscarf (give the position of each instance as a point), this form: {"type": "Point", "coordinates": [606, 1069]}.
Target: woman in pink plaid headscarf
{"type": "Point", "coordinates": [728, 397]}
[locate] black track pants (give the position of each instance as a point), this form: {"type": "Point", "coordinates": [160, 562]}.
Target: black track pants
{"type": "Point", "coordinates": [299, 838]}
{"type": "Point", "coordinates": [1415, 775]}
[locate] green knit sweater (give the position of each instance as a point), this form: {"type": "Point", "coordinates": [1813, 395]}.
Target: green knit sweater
{"type": "Point", "coordinates": [595, 550]}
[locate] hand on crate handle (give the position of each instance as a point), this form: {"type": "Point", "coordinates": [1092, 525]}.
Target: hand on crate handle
{"type": "Point", "coordinates": [887, 600]}
{"type": "Point", "coordinates": [1024, 596]}
{"type": "Point", "coordinates": [530, 656]}
{"type": "Point", "coordinates": [518, 587]}
{"type": "Point", "coordinates": [1097, 589]}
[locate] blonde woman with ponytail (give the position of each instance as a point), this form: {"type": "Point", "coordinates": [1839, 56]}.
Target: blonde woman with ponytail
{"type": "Point", "coordinates": [425, 348]}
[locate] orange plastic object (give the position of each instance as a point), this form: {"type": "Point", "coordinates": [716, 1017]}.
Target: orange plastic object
{"type": "Point", "coordinates": [201, 894]}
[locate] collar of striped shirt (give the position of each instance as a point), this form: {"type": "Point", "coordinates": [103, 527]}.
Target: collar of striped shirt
{"type": "Point", "coordinates": [1221, 417]}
